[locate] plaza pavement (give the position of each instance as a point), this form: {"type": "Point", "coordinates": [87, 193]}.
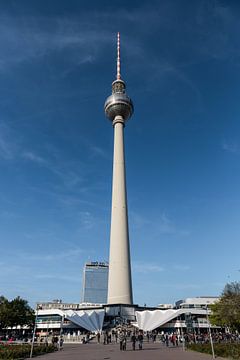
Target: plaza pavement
{"type": "Point", "coordinates": [93, 351]}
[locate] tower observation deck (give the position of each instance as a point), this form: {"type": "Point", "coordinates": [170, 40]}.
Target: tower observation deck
{"type": "Point", "coordinates": [119, 108]}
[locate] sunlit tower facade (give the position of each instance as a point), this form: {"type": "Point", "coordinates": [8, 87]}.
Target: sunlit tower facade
{"type": "Point", "coordinates": [119, 108]}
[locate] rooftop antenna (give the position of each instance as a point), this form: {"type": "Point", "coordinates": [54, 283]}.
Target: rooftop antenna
{"type": "Point", "coordinates": [118, 57]}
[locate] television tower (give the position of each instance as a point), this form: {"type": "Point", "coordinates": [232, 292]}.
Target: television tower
{"type": "Point", "coordinates": [119, 108]}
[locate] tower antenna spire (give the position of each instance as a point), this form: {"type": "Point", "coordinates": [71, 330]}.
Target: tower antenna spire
{"type": "Point", "coordinates": [118, 57]}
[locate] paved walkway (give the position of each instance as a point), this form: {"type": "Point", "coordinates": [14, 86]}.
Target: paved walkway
{"type": "Point", "coordinates": [95, 351]}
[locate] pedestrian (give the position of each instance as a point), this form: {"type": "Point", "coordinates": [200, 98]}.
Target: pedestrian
{"type": "Point", "coordinates": [121, 338]}
{"type": "Point", "coordinates": [98, 337]}
{"type": "Point", "coordinates": [61, 343]}
{"type": "Point", "coordinates": [124, 344]}
{"type": "Point", "coordinates": [140, 341]}
{"type": "Point", "coordinates": [173, 339]}
{"type": "Point", "coordinates": [133, 340]}
{"type": "Point", "coordinates": [105, 337]}
{"type": "Point", "coordinates": [46, 341]}
{"type": "Point", "coordinates": [148, 336]}
{"type": "Point", "coordinates": [166, 340]}
{"type": "Point", "coordinates": [55, 341]}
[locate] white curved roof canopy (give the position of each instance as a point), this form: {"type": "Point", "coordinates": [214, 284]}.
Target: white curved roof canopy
{"type": "Point", "coordinates": [91, 320]}
{"type": "Point", "coordinates": [149, 320]}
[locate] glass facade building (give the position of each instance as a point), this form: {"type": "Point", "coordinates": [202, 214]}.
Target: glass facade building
{"type": "Point", "coordinates": [95, 283]}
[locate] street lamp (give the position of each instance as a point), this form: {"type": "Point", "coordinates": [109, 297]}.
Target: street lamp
{"type": "Point", "coordinates": [60, 333]}
{"type": "Point", "coordinates": [34, 330]}
{"type": "Point", "coordinates": [210, 334]}
{"type": "Point", "coordinates": [182, 335]}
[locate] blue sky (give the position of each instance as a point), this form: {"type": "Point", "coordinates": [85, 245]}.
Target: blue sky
{"type": "Point", "coordinates": [181, 64]}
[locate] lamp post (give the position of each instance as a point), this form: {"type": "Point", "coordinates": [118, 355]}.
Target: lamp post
{"type": "Point", "coordinates": [189, 323]}
{"type": "Point", "coordinates": [210, 334]}
{"type": "Point", "coordinates": [182, 335]}
{"type": "Point", "coordinates": [34, 330]}
{"type": "Point", "coordinates": [60, 333]}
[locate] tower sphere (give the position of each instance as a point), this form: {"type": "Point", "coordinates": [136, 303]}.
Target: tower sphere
{"type": "Point", "coordinates": [118, 104]}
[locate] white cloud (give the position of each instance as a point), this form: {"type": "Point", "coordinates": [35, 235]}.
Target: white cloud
{"type": "Point", "coordinates": [230, 146]}
{"type": "Point", "coordinates": [182, 286]}
{"type": "Point", "coordinates": [166, 226]}
{"type": "Point", "coordinates": [29, 155]}
{"type": "Point", "coordinates": [160, 224]}
{"type": "Point", "coordinates": [67, 278]}
{"type": "Point", "coordinates": [145, 267]}
{"type": "Point", "coordinates": [181, 267]}
{"type": "Point", "coordinates": [8, 147]}
{"type": "Point", "coordinates": [36, 37]}
{"type": "Point", "coordinates": [98, 151]}
{"type": "Point", "coordinates": [67, 255]}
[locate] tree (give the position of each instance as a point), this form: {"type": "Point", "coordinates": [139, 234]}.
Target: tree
{"type": "Point", "coordinates": [16, 312]}
{"type": "Point", "coordinates": [21, 313]}
{"type": "Point", "coordinates": [4, 311]}
{"type": "Point", "coordinates": [226, 312]}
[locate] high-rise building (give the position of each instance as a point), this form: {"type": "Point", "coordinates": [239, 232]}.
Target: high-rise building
{"type": "Point", "coordinates": [119, 108]}
{"type": "Point", "coordinates": [95, 283]}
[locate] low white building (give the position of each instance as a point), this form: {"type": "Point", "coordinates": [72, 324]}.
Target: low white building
{"type": "Point", "coordinates": [190, 314]}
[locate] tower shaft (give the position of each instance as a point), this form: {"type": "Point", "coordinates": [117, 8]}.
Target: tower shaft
{"type": "Point", "coordinates": [119, 280]}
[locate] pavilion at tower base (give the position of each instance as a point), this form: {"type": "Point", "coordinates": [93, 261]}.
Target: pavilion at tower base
{"type": "Point", "coordinates": [189, 315]}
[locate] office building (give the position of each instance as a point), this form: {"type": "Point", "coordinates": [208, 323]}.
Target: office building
{"type": "Point", "coordinates": [95, 283]}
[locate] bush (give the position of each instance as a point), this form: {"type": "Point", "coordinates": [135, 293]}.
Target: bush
{"type": "Point", "coordinates": [227, 350]}
{"type": "Point", "coordinates": [19, 351]}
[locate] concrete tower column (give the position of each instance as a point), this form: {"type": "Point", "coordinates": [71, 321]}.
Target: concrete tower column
{"type": "Point", "coordinates": [119, 281]}
{"type": "Point", "coordinates": [119, 108]}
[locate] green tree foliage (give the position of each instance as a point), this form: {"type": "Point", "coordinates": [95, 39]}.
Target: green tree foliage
{"type": "Point", "coordinates": [15, 312]}
{"type": "Point", "coordinates": [4, 305]}
{"type": "Point", "coordinates": [226, 312]}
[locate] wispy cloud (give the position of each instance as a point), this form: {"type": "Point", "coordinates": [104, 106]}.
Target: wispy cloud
{"type": "Point", "coordinates": [166, 226]}
{"type": "Point", "coordinates": [161, 224]}
{"type": "Point", "coordinates": [69, 173]}
{"type": "Point", "coordinates": [138, 221]}
{"type": "Point", "coordinates": [181, 267]}
{"type": "Point", "coordinates": [231, 146]}
{"type": "Point", "coordinates": [36, 37]}
{"type": "Point", "coordinates": [68, 278]}
{"type": "Point", "coordinates": [98, 151]}
{"type": "Point", "coordinates": [31, 156]}
{"type": "Point", "coordinates": [183, 286]}
{"type": "Point", "coordinates": [145, 267]}
{"type": "Point", "coordinates": [8, 147]}
{"type": "Point", "coordinates": [87, 59]}
{"type": "Point", "coordinates": [86, 220]}
{"type": "Point", "coordinates": [68, 255]}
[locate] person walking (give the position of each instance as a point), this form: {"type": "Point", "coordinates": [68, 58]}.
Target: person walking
{"type": "Point", "coordinates": [98, 337]}
{"type": "Point", "coordinates": [167, 340]}
{"type": "Point", "coordinates": [121, 338]}
{"type": "Point", "coordinates": [140, 341]}
{"type": "Point", "coordinates": [124, 345]}
{"type": "Point", "coordinates": [133, 340]}
{"type": "Point", "coordinates": [61, 343]}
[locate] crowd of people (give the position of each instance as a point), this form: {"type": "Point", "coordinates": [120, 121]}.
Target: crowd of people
{"type": "Point", "coordinates": [128, 337]}
{"type": "Point", "coordinates": [217, 337]}
{"type": "Point", "coordinates": [124, 336]}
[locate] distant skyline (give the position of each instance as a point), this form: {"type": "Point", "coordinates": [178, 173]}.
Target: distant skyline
{"type": "Point", "coordinates": [180, 62]}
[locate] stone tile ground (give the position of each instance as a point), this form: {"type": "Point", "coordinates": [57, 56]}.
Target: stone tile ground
{"type": "Point", "coordinates": [95, 351]}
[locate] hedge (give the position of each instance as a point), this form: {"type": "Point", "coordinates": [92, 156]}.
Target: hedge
{"type": "Point", "coordinates": [227, 350]}
{"type": "Point", "coordinates": [21, 352]}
